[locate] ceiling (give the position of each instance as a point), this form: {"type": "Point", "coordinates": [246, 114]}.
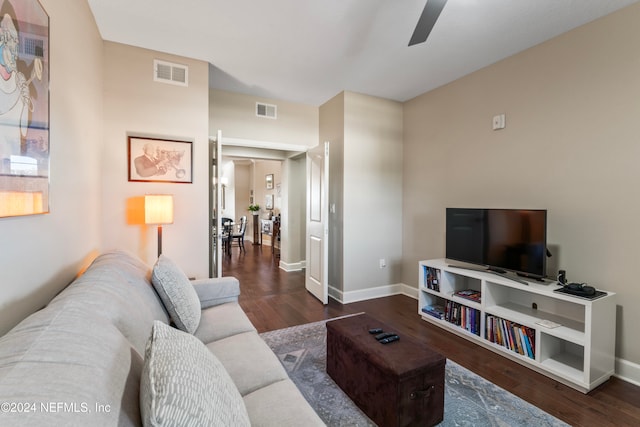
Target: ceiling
{"type": "Point", "coordinates": [307, 51]}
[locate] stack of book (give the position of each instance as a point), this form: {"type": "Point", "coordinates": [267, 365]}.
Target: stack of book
{"type": "Point", "coordinates": [463, 316]}
{"type": "Point", "coordinates": [432, 278]}
{"type": "Point", "coordinates": [515, 337]}
{"type": "Point", "coordinates": [470, 294]}
{"type": "Point", "coordinates": [436, 311]}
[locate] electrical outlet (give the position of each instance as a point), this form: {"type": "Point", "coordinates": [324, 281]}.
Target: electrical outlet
{"type": "Point", "coordinates": [383, 263]}
{"type": "Point", "coordinates": [498, 122]}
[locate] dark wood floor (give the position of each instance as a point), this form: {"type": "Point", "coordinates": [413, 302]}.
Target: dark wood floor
{"type": "Point", "coordinates": [274, 299]}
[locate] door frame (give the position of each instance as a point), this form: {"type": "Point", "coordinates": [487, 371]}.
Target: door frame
{"type": "Point", "coordinates": [280, 151]}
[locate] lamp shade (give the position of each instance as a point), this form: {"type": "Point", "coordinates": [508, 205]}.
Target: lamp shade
{"type": "Point", "coordinates": [158, 209]}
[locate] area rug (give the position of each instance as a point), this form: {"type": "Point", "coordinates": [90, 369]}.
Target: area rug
{"type": "Point", "coordinates": [470, 400]}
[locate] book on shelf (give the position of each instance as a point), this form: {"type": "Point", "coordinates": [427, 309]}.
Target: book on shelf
{"type": "Point", "coordinates": [432, 278]}
{"type": "Point", "coordinates": [515, 337]}
{"type": "Point", "coordinates": [470, 294]}
{"type": "Point", "coordinates": [465, 317]}
{"type": "Point", "coordinates": [436, 311]}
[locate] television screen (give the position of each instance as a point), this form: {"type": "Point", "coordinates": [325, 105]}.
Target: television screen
{"type": "Point", "coordinates": [500, 239]}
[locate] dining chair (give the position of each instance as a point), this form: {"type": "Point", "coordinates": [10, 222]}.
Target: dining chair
{"type": "Point", "coordinates": [239, 234]}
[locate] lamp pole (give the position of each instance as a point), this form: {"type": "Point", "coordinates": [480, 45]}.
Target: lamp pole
{"type": "Point", "coordinates": [159, 240]}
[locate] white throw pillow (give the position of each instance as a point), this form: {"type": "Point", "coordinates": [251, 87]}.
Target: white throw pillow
{"type": "Point", "coordinates": [184, 384]}
{"type": "Point", "coordinates": [177, 294]}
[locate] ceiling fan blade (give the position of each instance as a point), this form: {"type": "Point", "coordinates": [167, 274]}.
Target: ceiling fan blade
{"type": "Point", "coordinates": [427, 20]}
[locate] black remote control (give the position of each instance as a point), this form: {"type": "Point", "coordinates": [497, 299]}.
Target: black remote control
{"type": "Point", "coordinates": [384, 335]}
{"type": "Point", "coordinates": [375, 331]}
{"type": "Point", "coordinates": [392, 338]}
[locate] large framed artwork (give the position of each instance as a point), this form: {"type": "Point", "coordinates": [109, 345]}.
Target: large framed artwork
{"type": "Point", "coordinates": [160, 160]}
{"type": "Point", "coordinates": [24, 108]}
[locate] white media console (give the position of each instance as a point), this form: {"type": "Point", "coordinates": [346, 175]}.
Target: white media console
{"type": "Point", "coordinates": [565, 337]}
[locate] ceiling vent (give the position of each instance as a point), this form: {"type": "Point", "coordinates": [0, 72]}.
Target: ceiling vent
{"type": "Point", "coordinates": [268, 111]}
{"type": "Point", "coordinates": [167, 72]}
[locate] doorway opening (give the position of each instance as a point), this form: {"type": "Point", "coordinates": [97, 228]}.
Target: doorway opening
{"type": "Point", "coordinates": [272, 176]}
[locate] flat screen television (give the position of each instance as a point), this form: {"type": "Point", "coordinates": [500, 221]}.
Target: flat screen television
{"type": "Point", "coordinates": [501, 240]}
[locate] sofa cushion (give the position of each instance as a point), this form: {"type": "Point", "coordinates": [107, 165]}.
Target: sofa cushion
{"type": "Point", "coordinates": [217, 290]}
{"type": "Point", "coordinates": [184, 384]}
{"type": "Point", "coordinates": [266, 409]}
{"type": "Point", "coordinates": [249, 361]}
{"type": "Point", "coordinates": [222, 321]}
{"type": "Point", "coordinates": [177, 294]}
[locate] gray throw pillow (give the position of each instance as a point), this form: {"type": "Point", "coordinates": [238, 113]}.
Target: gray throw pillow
{"type": "Point", "coordinates": [184, 384]}
{"type": "Point", "coordinates": [177, 294]}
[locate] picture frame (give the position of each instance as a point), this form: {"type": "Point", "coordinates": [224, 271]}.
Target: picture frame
{"type": "Point", "coordinates": [269, 181]}
{"type": "Point", "coordinates": [159, 160]}
{"type": "Point", "coordinates": [268, 202]}
{"type": "Point", "coordinates": [25, 137]}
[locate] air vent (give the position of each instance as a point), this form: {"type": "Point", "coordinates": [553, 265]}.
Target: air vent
{"type": "Point", "coordinates": [268, 111]}
{"type": "Point", "coordinates": [167, 72]}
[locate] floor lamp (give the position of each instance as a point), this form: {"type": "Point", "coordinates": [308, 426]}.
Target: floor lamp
{"type": "Point", "coordinates": [158, 209]}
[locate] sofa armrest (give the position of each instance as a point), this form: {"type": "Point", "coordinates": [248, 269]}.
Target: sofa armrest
{"type": "Point", "coordinates": [217, 290]}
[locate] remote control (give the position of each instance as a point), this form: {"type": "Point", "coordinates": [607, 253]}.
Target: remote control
{"type": "Point", "coordinates": [384, 335]}
{"type": "Point", "coordinates": [392, 338]}
{"type": "Point", "coordinates": [375, 331]}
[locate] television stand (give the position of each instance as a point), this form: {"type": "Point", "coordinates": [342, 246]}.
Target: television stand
{"type": "Point", "coordinates": [564, 337]}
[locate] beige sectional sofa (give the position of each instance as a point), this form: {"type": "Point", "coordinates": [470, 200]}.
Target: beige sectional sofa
{"type": "Point", "coordinates": [81, 360]}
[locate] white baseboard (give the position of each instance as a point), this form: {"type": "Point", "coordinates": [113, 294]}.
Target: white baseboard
{"type": "Point", "coordinates": [627, 371]}
{"type": "Point", "coordinates": [372, 293]}
{"type": "Point", "coordinates": [293, 266]}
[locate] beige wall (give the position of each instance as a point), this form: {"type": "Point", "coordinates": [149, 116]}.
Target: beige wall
{"type": "Point", "coordinates": [570, 146]}
{"type": "Point", "coordinates": [41, 254]}
{"type": "Point", "coordinates": [135, 104]}
{"type": "Point", "coordinates": [365, 169]}
{"type": "Point", "coordinates": [373, 191]}
{"type": "Point", "coordinates": [294, 208]}
{"type": "Point", "coordinates": [235, 115]}
{"type": "Point", "coordinates": [332, 130]}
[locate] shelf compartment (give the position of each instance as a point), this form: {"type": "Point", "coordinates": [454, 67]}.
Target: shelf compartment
{"type": "Point", "coordinates": [570, 329]}
{"type": "Point", "coordinates": [463, 316]}
{"type": "Point", "coordinates": [512, 336]}
{"type": "Point", "coordinates": [432, 277]}
{"type": "Point", "coordinates": [562, 357]}
{"type": "Point", "coordinates": [453, 282]}
{"type": "Point", "coordinates": [429, 300]}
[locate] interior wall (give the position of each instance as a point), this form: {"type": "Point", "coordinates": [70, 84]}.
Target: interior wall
{"type": "Point", "coordinates": [235, 115]}
{"type": "Point", "coordinates": [136, 105]}
{"type": "Point", "coordinates": [372, 229]}
{"type": "Point", "coordinates": [570, 146]}
{"type": "Point", "coordinates": [332, 130]}
{"type": "Point", "coordinates": [41, 254]}
{"type": "Point", "coordinates": [262, 168]}
{"type": "Point", "coordinates": [294, 208]}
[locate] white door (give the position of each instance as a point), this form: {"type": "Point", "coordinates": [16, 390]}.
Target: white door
{"type": "Point", "coordinates": [316, 275]}
{"type": "Point", "coordinates": [216, 208]}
